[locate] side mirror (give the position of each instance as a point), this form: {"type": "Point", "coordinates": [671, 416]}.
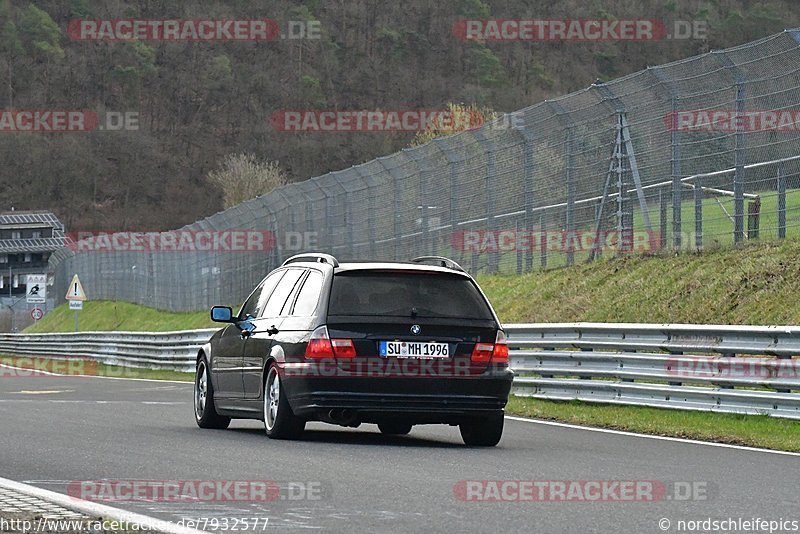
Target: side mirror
{"type": "Point", "coordinates": [221, 314]}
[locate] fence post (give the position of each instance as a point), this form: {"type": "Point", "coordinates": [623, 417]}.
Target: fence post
{"type": "Point", "coordinates": [542, 243]}
{"type": "Point", "coordinates": [396, 199]}
{"type": "Point", "coordinates": [753, 216]}
{"type": "Point", "coordinates": [677, 186]}
{"type": "Point", "coordinates": [488, 146]}
{"type": "Point", "coordinates": [423, 244]}
{"type": "Point", "coordinates": [368, 183]}
{"type": "Point", "coordinates": [739, 146]}
{"type": "Point", "coordinates": [528, 188]}
{"type": "Point", "coordinates": [698, 217]}
{"type": "Point", "coordinates": [331, 240]}
{"type": "Point", "coordinates": [781, 202]}
{"type": "Point", "coordinates": [662, 202]}
{"type": "Point", "coordinates": [348, 222]}
{"type": "Point", "coordinates": [675, 157]}
{"type": "Point", "coordinates": [452, 211]}
{"type": "Point", "coordinates": [570, 216]}
{"type": "Point", "coordinates": [738, 177]}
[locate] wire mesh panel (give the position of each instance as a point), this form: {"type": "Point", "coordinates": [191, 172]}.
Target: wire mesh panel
{"type": "Point", "coordinates": [695, 154]}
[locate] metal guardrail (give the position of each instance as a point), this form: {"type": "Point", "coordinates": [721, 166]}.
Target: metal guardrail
{"type": "Point", "coordinates": [155, 350]}
{"type": "Point", "coordinates": [737, 369]}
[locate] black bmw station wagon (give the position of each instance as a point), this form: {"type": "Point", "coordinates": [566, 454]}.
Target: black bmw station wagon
{"type": "Point", "coordinates": [395, 344]}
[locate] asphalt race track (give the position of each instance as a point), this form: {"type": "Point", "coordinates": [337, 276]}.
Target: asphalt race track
{"type": "Point", "coordinates": [57, 430]}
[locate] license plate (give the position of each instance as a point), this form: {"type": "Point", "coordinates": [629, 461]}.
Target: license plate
{"type": "Point", "coordinates": [414, 349]}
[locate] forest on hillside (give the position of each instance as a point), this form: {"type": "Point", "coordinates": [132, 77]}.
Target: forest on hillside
{"type": "Point", "coordinates": [197, 103]}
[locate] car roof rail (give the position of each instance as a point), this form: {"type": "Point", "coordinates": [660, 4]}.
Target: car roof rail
{"type": "Point", "coordinates": [440, 261]}
{"type": "Point", "coordinates": [313, 257]}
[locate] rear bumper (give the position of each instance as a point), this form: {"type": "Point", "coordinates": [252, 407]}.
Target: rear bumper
{"type": "Point", "coordinates": [417, 400]}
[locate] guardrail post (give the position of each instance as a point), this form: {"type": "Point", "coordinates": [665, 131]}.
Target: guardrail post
{"type": "Point", "coordinates": [781, 202]}
{"type": "Point", "coordinates": [698, 217]}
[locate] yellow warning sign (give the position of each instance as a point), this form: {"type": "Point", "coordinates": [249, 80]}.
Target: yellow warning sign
{"type": "Point", "coordinates": [75, 291]}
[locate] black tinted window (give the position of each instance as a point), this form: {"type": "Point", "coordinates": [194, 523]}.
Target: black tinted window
{"type": "Point", "coordinates": [397, 294]}
{"type": "Point", "coordinates": [309, 295]}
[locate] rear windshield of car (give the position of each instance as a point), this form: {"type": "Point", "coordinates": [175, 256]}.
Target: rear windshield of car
{"type": "Point", "coordinates": [398, 294]}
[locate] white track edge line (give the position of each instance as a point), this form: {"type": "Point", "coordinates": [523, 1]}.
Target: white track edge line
{"type": "Point", "coordinates": [649, 436]}
{"type": "Point", "coordinates": [96, 376]}
{"type": "Point", "coordinates": [97, 509]}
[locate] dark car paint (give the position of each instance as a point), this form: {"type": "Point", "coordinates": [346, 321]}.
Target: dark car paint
{"type": "Point", "coordinates": [375, 398]}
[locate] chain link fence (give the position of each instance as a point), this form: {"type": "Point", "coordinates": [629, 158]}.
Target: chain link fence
{"type": "Point", "coordinates": [694, 154]}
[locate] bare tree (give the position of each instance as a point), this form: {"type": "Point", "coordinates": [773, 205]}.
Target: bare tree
{"type": "Point", "coordinates": [242, 177]}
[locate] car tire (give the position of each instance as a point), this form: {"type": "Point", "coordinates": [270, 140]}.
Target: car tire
{"type": "Point", "coordinates": [395, 429]}
{"type": "Point", "coordinates": [205, 412]}
{"type": "Point", "coordinates": [484, 432]}
{"type": "Point", "coordinates": [279, 420]}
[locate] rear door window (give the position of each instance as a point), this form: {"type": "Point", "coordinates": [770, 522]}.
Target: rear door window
{"type": "Point", "coordinates": [268, 287]}
{"type": "Point", "coordinates": [406, 294]}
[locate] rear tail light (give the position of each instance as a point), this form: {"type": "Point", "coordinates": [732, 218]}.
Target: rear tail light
{"type": "Point", "coordinates": [500, 353]}
{"type": "Point", "coordinates": [496, 352]}
{"type": "Point", "coordinates": [320, 346]}
{"type": "Point", "coordinates": [482, 353]}
{"type": "Point", "coordinates": [343, 348]}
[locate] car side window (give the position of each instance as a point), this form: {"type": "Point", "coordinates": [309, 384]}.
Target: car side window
{"type": "Point", "coordinates": [308, 297]}
{"type": "Point", "coordinates": [250, 306]}
{"type": "Point", "coordinates": [281, 293]}
{"type": "Point", "coordinates": [268, 287]}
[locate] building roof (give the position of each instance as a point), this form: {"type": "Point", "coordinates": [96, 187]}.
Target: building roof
{"type": "Point", "coordinates": [29, 217]}
{"type": "Point", "coordinates": [11, 219]}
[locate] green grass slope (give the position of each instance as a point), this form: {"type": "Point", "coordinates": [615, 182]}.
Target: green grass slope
{"type": "Point", "coordinates": [107, 315]}
{"type": "Point", "coordinates": [755, 284]}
